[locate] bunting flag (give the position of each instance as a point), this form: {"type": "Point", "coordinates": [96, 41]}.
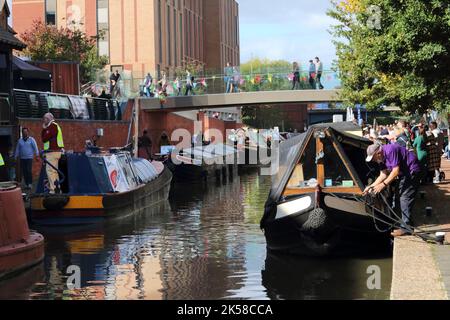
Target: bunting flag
{"type": "Point", "coordinates": [269, 77]}
{"type": "Point", "coordinates": [258, 79]}
{"type": "Point", "coordinates": [305, 79]}
{"type": "Point", "coordinates": [242, 82]}
{"type": "Point", "coordinates": [291, 77]}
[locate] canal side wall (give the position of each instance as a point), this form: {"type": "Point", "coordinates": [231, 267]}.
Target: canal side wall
{"type": "Point", "coordinates": [421, 270]}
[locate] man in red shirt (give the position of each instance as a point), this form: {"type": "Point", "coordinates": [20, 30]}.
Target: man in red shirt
{"type": "Point", "coordinates": [53, 147]}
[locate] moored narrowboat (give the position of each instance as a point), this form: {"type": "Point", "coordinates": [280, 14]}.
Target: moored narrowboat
{"type": "Point", "coordinates": [214, 161]}
{"type": "Point", "coordinates": [316, 205]}
{"type": "Point", "coordinates": [100, 186]}
{"type": "Point", "coordinates": [20, 248]}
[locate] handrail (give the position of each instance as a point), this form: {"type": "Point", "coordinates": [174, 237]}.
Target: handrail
{"type": "Point", "coordinates": [64, 95]}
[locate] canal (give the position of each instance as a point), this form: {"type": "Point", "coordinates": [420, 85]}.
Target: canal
{"type": "Point", "coordinates": [205, 243]}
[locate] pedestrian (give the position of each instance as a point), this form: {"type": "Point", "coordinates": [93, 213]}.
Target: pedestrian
{"type": "Point", "coordinates": [189, 84]}
{"type": "Point", "coordinates": [114, 84]}
{"type": "Point", "coordinates": [235, 80]}
{"type": "Point", "coordinates": [179, 85]}
{"type": "Point", "coordinates": [420, 145]}
{"type": "Point", "coordinates": [164, 141]}
{"type": "Point", "coordinates": [145, 146]}
{"type": "Point", "coordinates": [402, 136]}
{"type": "Point", "coordinates": [296, 72]}
{"type": "Point", "coordinates": [26, 151]}
{"type": "Point", "coordinates": [319, 72]}
{"type": "Point", "coordinates": [312, 74]}
{"type": "Point", "coordinates": [52, 138]}
{"type": "Point", "coordinates": [148, 85]}
{"type": "Point", "coordinates": [228, 77]}
{"type": "Point", "coordinates": [439, 142]}
{"type": "Point", "coordinates": [396, 163]}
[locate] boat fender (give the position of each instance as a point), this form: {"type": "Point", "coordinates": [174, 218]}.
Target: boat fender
{"type": "Point", "coordinates": [317, 221]}
{"type": "Point", "coordinates": [55, 202]}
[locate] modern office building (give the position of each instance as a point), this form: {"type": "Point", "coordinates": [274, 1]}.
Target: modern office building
{"type": "Point", "coordinates": [146, 35]}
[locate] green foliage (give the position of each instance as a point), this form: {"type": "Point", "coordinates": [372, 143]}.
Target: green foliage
{"type": "Point", "coordinates": [265, 66]}
{"type": "Point", "coordinates": [48, 43]}
{"type": "Point", "coordinates": [404, 62]}
{"type": "Point", "coordinates": [266, 75]}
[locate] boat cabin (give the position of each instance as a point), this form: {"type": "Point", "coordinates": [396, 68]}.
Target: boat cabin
{"type": "Point", "coordinates": [329, 156]}
{"type": "Point", "coordinates": [98, 174]}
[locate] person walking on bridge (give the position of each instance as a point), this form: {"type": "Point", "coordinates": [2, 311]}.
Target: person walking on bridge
{"type": "Point", "coordinates": [52, 138]}
{"type": "Point", "coordinates": [296, 72]}
{"type": "Point", "coordinates": [312, 74]}
{"type": "Point", "coordinates": [319, 72]}
{"type": "Point", "coordinates": [397, 162]}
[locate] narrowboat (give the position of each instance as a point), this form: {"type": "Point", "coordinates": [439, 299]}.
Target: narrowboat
{"type": "Point", "coordinates": [214, 161]}
{"type": "Point", "coordinates": [20, 248]}
{"type": "Point", "coordinates": [98, 186]}
{"type": "Point", "coordinates": [316, 205]}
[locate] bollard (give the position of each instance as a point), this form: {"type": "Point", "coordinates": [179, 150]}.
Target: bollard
{"type": "Point", "coordinates": [422, 194]}
{"type": "Point", "coordinates": [429, 211]}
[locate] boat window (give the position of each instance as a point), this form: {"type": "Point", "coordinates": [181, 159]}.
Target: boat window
{"type": "Point", "coordinates": [305, 172]}
{"type": "Point", "coordinates": [336, 174]}
{"type": "Point", "coordinates": [366, 171]}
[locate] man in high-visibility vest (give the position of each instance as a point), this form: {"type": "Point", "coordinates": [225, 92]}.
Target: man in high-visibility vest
{"type": "Point", "coordinates": [53, 146]}
{"type": "Point", "coordinates": [2, 162]}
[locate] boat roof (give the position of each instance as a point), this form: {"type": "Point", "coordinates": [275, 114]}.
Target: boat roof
{"type": "Point", "coordinates": [292, 150]}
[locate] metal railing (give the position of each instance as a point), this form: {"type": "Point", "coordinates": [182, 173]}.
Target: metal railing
{"type": "Point", "coordinates": [209, 82]}
{"type": "Point", "coordinates": [34, 104]}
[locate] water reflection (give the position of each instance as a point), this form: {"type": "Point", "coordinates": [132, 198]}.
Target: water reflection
{"type": "Point", "coordinates": [203, 244]}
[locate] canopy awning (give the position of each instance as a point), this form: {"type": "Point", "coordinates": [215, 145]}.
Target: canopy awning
{"type": "Point", "coordinates": [28, 71]}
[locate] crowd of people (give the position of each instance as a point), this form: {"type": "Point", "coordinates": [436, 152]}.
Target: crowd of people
{"type": "Point", "coordinates": [160, 87]}
{"type": "Point", "coordinates": [408, 155]}
{"type": "Point", "coordinates": [426, 140]}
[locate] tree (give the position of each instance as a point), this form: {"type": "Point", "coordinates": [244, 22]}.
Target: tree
{"type": "Point", "coordinates": [393, 52]}
{"type": "Point", "coordinates": [49, 43]}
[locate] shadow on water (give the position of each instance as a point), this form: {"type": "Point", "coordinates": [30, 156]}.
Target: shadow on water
{"type": "Point", "coordinates": [297, 278]}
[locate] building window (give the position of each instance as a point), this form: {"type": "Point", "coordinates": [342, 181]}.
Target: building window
{"type": "Point", "coordinates": [50, 12]}
{"type": "Point", "coordinates": [182, 36]}
{"type": "Point", "coordinates": [103, 27]}
{"type": "Point", "coordinates": [160, 32]}
{"type": "Point", "coordinates": [169, 37]}
{"type": "Point", "coordinates": [175, 36]}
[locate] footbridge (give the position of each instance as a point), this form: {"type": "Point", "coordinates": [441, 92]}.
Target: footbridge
{"type": "Point", "coordinates": [213, 101]}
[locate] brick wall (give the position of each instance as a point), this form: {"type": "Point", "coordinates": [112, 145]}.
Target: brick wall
{"type": "Point", "coordinates": [75, 134]}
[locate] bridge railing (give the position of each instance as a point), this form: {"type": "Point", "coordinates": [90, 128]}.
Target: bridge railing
{"type": "Point", "coordinates": [211, 82]}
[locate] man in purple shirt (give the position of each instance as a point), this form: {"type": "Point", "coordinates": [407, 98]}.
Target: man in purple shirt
{"type": "Point", "coordinates": [397, 162]}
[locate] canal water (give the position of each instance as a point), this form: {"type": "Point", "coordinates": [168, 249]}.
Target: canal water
{"type": "Point", "coordinates": [205, 243]}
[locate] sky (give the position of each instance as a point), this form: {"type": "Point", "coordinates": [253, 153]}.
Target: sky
{"type": "Point", "coordinates": [292, 30]}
